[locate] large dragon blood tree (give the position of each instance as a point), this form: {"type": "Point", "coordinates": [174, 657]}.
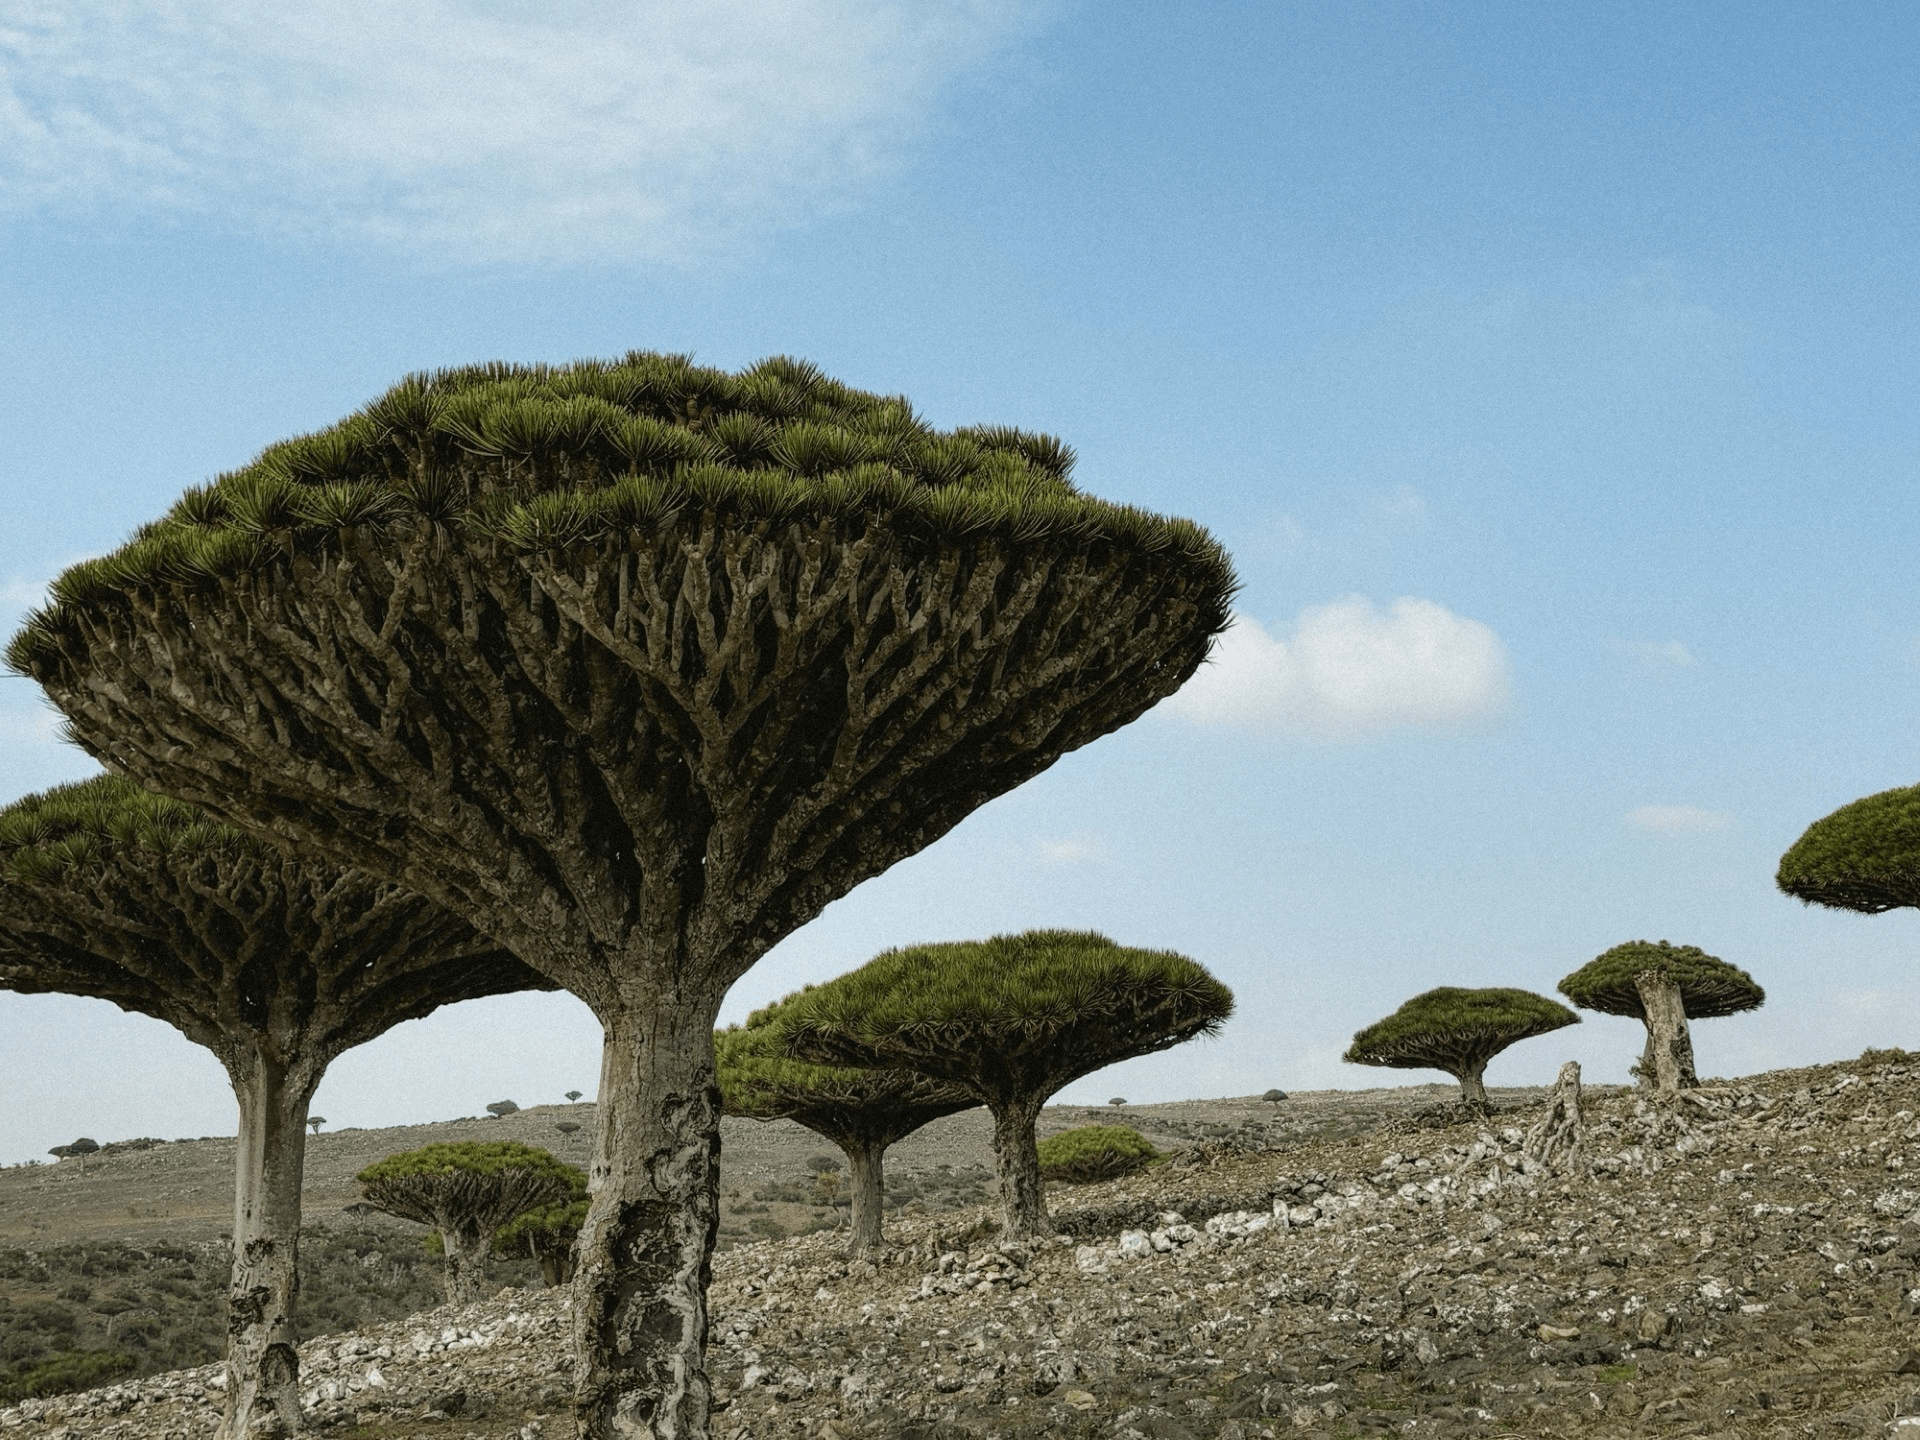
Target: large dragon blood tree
{"type": "Point", "coordinates": [636, 666]}
{"type": "Point", "coordinates": [862, 1111]}
{"type": "Point", "coordinates": [1663, 986]}
{"type": "Point", "coordinates": [277, 962]}
{"type": "Point", "coordinates": [1010, 1020]}
{"type": "Point", "coordinates": [1865, 856]}
{"type": "Point", "coordinates": [1457, 1030]}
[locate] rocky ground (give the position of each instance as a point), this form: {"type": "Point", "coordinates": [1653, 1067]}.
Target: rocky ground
{"type": "Point", "coordinates": [1740, 1261]}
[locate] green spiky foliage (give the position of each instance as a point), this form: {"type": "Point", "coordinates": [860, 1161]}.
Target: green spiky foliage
{"type": "Point", "coordinates": [547, 1233]}
{"type": "Point", "coordinates": [1095, 1152]}
{"type": "Point", "coordinates": [276, 962]}
{"type": "Point", "coordinates": [1459, 1031]}
{"type": "Point", "coordinates": [861, 1111]}
{"type": "Point", "coordinates": [1011, 1019]}
{"type": "Point", "coordinates": [1709, 986]}
{"type": "Point", "coordinates": [541, 459]}
{"type": "Point", "coordinates": [1864, 856]}
{"type": "Point", "coordinates": [467, 1191]}
{"type": "Point", "coordinates": [636, 666]}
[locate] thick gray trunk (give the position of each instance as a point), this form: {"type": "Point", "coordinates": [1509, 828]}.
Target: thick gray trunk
{"type": "Point", "coordinates": [468, 1278]}
{"type": "Point", "coordinates": [1023, 1204]}
{"type": "Point", "coordinates": [645, 1252]}
{"type": "Point", "coordinates": [866, 1179]}
{"type": "Point", "coordinates": [1668, 1062]}
{"type": "Point", "coordinates": [1473, 1090]}
{"type": "Point", "coordinates": [263, 1365]}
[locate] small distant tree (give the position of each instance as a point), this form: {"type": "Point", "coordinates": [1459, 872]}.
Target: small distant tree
{"type": "Point", "coordinates": [1663, 986]}
{"type": "Point", "coordinates": [566, 1127]}
{"type": "Point", "coordinates": [573, 1095]}
{"type": "Point", "coordinates": [467, 1192]}
{"type": "Point", "coordinates": [547, 1234]}
{"type": "Point", "coordinates": [1458, 1031]}
{"type": "Point", "coordinates": [1274, 1097]}
{"type": "Point", "coordinates": [861, 1111]}
{"type": "Point", "coordinates": [77, 1150]}
{"type": "Point", "coordinates": [316, 1121]}
{"type": "Point", "coordinates": [500, 1109]}
{"type": "Point", "coordinates": [1009, 1020]}
{"type": "Point", "coordinates": [276, 962]}
{"type": "Point", "coordinates": [1095, 1152]}
{"type": "Point", "coordinates": [1117, 1101]}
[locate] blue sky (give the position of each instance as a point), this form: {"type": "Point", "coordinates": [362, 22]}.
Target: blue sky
{"type": "Point", "coordinates": [1547, 370]}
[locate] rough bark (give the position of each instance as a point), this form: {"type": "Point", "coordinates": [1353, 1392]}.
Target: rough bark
{"type": "Point", "coordinates": [263, 1364]}
{"type": "Point", "coordinates": [468, 1277]}
{"type": "Point", "coordinates": [1016, 1153]}
{"type": "Point", "coordinates": [642, 761]}
{"type": "Point", "coordinates": [1558, 1139]}
{"type": "Point", "coordinates": [867, 1195]}
{"type": "Point", "coordinates": [1668, 1062]}
{"type": "Point", "coordinates": [1473, 1088]}
{"type": "Point", "coordinates": [644, 1256]}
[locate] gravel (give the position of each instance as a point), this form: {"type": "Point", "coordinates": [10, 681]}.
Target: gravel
{"type": "Point", "coordinates": [1739, 1261]}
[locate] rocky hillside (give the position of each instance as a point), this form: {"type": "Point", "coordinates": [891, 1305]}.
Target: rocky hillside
{"type": "Point", "coordinates": [1740, 1261]}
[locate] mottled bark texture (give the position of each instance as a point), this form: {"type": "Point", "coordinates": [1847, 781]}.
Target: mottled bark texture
{"type": "Point", "coordinates": [1667, 1063]}
{"type": "Point", "coordinates": [466, 1208]}
{"type": "Point", "coordinates": [277, 964]}
{"type": "Point", "coordinates": [638, 762]}
{"type": "Point", "coordinates": [1558, 1138]}
{"type": "Point", "coordinates": [864, 1112]}
{"type": "Point", "coordinates": [1473, 1088]}
{"type": "Point", "coordinates": [1016, 1164]}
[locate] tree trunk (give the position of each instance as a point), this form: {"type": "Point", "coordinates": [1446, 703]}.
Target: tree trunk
{"type": "Point", "coordinates": [1558, 1140]}
{"type": "Point", "coordinates": [645, 1252]}
{"type": "Point", "coordinates": [1473, 1090]}
{"type": "Point", "coordinates": [867, 1192]}
{"type": "Point", "coordinates": [554, 1269]}
{"type": "Point", "coordinates": [1669, 1044]}
{"type": "Point", "coordinates": [263, 1365]}
{"type": "Point", "coordinates": [466, 1252]}
{"type": "Point", "coordinates": [1023, 1204]}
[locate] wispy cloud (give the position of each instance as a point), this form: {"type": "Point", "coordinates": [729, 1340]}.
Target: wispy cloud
{"type": "Point", "coordinates": [1071, 849]}
{"type": "Point", "coordinates": [1657, 654]}
{"type": "Point", "coordinates": [478, 132]}
{"type": "Point", "coordinates": [1351, 669]}
{"type": "Point", "coordinates": [1678, 819]}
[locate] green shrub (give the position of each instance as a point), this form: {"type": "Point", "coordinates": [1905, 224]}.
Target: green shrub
{"type": "Point", "coordinates": [65, 1373]}
{"type": "Point", "coordinates": [1095, 1152]}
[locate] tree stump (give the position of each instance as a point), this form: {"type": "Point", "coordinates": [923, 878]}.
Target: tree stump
{"type": "Point", "coordinates": [1559, 1139]}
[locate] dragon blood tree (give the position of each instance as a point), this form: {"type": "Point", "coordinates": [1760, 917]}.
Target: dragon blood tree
{"type": "Point", "coordinates": [546, 1234]}
{"type": "Point", "coordinates": [861, 1111]}
{"type": "Point", "coordinates": [1663, 986]}
{"type": "Point", "coordinates": [1864, 856]}
{"type": "Point", "coordinates": [1009, 1020]}
{"type": "Point", "coordinates": [467, 1191]}
{"type": "Point", "coordinates": [1457, 1031]}
{"type": "Point", "coordinates": [276, 962]}
{"type": "Point", "coordinates": [636, 666]}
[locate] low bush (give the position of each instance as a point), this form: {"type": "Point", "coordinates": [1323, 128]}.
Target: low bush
{"type": "Point", "coordinates": [64, 1373]}
{"type": "Point", "coordinates": [1095, 1152]}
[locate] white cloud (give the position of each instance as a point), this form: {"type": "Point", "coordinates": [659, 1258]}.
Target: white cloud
{"type": "Point", "coordinates": [1350, 669]}
{"type": "Point", "coordinates": [1677, 819]}
{"type": "Point", "coordinates": [591, 130]}
{"type": "Point", "coordinates": [1658, 654]}
{"type": "Point", "coordinates": [1071, 849]}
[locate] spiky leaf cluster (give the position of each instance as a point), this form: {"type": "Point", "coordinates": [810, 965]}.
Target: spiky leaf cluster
{"type": "Point", "coordinates": [81, 825]}
{"type": "Point", "coordinates": [1864, 856]}
{"type": "Point", "coordinates": [546, 458]}
{"type": "Point", "coordinates": [1059, 1001]}
{"type": "Point", "coordinates": [1455, 1029]}
{"type": "Point", "coordinates": [484, 1185]}
{"type": "Point", "coordinates": [873, 1106]}
{"type": "Point", "coordinates": [1708, 985]}
{"type": "Point", "coordinates": [547, 1229]}
{"type": "Point", "coordinates": [1095, 1152]}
